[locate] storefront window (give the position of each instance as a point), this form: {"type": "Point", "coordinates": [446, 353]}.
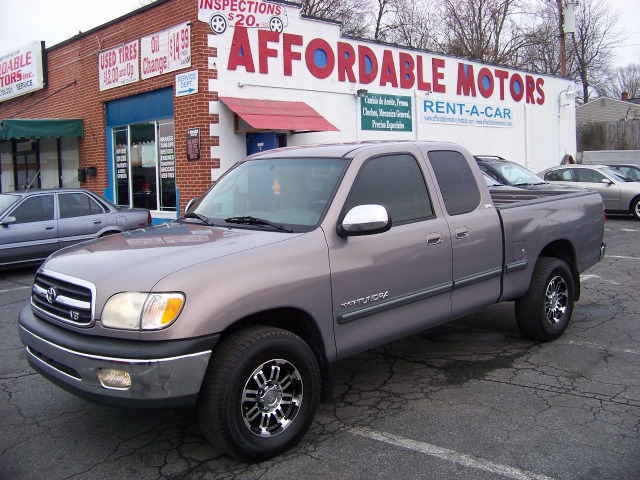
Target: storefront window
{"type": "Point", "coordinates": [6, 168]}
{"type": "Point", "coordinates": [145, 165]}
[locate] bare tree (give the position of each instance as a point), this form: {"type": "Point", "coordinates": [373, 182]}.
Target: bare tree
{"type": "Point", "coordinates": [541, 53]}
{"type": "Point", "coordinates": [348, 12]}
{"type": "Point", "coordinates": [624, 79]}
{"type": "Point", "coordinates": [491, 31]}
{"type": "Point", "coordinates": [415, 24]}
{"type": "Point", "coordinates": [597, 33]}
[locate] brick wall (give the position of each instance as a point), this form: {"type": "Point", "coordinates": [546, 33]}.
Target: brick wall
{"type": "Point", "coordinates": [73, 91]}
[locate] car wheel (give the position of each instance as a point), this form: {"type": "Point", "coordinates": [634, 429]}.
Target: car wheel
{"type": "Point", "coordinates": [260, 393]}
{"type": "Point", "coordinates": [635, 208]}
{"type": "Point", "coordinates": [543, 313]}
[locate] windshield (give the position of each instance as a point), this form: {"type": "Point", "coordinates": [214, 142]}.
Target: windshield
{"type": "Point", "coordinates": [6, 200]}
{"type": "Point", "coordinates": [286, 192]}
{"type": "Point", "coordinates": [616, 175]}
{"type": "Point", "coordinates": [517, 175]}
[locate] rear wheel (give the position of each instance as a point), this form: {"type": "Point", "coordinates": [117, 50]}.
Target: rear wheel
{"type": "Point", "coordinates": [260, 393]}
{"type": "Point", "coordinates": [635, 208]}
{"type": "Point", "coordinates": [543, 313]}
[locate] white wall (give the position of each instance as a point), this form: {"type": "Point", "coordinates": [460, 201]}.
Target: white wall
{"type": "Point", "coordinates": [540, 133]}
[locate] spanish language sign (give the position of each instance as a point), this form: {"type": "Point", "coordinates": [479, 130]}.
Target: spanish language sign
{"type": "Point", "coordinates": [21, 71]}
{"type": "Point", "coordinates": [119, 66]}
{"type": "Point", "coordinates": [166, 51]}
{"type": "Point", "coordinates": [386, 112]}
{"type": "Point", "coordinates": [465, 113]}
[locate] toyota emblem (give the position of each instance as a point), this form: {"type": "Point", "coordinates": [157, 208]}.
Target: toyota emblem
{"type": "Point", "coordinates": [51, 295]}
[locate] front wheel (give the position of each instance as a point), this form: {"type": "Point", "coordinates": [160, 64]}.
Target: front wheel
{"type": "Point", "coordinates": [635, 208]}
{"type": "Point", "coordinates": [260, 394]}
{"type": "Point", "coordinates": [543, 313]}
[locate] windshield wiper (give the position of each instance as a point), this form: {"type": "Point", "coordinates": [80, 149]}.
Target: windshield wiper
{"type": "Point", "coordinates": [199, 216]}
{"type": "Point", "coordinates": [260, 222]}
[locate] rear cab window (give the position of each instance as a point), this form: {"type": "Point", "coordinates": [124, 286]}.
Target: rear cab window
{"type": "Point", "coordinates": [456, 181]}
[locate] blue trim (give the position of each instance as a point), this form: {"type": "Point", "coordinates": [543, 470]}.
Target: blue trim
{"type": "Point", "coordinates": [140, 108]}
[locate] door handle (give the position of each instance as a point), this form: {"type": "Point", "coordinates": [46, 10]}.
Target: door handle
{"type": "Point", "coordinates": [49, 227]}
{"type": "Point", "coordinates": [434, 238]}
{"type": "Point", "coordinates": [97, 222]}
{"type": "Point", "coordinates": [462, 232]}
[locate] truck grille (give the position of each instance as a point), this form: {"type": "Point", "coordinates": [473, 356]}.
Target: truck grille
{"type": "Point", "coordinates": [61, 300]}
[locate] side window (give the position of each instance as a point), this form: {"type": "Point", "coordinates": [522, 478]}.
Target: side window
{"type": "Point", "coordinates": [77, 205]}
{"type": "Point", "coordinates": [456, 180]}
{"type": "Point", "coordinates": [38, 208]}
{"type": "Point", "coordinates": [396, 182]}
{"type": "Point", "coordinates": [590, 176]}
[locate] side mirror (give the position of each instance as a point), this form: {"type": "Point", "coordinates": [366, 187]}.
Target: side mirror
{"type": "Point", "coordinates": [7, 221]}
{"type": "Point", "coordinates": [606, 181]}
{"type": "Point", "coordinates": [365, 220]}
{"type": "Point", "coordinates": [190, 204]}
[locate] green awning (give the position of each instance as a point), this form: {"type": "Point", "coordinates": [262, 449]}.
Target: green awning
{"type": "Point", "coordinates": [41, 128]}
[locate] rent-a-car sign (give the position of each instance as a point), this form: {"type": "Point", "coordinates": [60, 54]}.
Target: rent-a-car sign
{"type": "Point", "coordinates": [21, 71]}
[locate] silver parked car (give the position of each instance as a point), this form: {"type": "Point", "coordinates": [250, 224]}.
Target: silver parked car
{"type": "Point", "coordinates": [630, 170]}
{"type": "Point", "coordinates": [620, 193]}
{"type": "Point", "coordinates": [36, 223]}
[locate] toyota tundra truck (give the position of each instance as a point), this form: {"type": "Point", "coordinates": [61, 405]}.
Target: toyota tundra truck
{"type": "Point", "coordinates": [295, 258]}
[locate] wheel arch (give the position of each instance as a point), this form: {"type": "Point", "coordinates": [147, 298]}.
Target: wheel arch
{"type": "Point", "coordinates": [303, 325]}
{"type": "Point", "coordinates": [564, 250]}
{"type": "Point", "coordinates": [632, 204]}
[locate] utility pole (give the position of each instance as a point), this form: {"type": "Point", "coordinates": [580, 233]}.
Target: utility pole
{"type": "Point", "coordinates": [563, 45]}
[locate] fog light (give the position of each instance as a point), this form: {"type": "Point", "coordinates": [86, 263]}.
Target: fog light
{"type": "Point", "coordinates": [114, 378]}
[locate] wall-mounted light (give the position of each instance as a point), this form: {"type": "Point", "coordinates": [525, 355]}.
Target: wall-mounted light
{"type": "Point", "coordinates": [361, 93]}
{"type": "Point", "coordinates": [568, 95]}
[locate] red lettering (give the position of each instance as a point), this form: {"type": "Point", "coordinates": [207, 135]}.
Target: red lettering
{"type": "Point", "coordinates": [367, 65]}
{"type": "Point", "coordinates": [539, 85]}
{"type": "Point", "coordinates": [485, 82]}
{"type": "Point", "coordinates": [240, 53]}
{"type": "Point", "coordinates": [388, 70]}
{"type": "Point", "coordinates": [264, 52]}
{"type": "Point", "coordinates": [422, 85]}
{"type": "Point", "coordinates": [346, 61]}
{"type": "Point", "coordinates": [319, 57]}
{"type": "Point", "coordinates": [516, 87]}
{"type": "Point", "coordinates": [407, 66]}
{"type": "Point", "coordinates": [502, 75]}
{"type": "Point", "coordinates": [530, 87]}
{"type": "Point", "coordinates": [466, 80]}
{"type": "Point", "coordinates": [437, 75]}
{"type": "Point", "coordinates": [288, 55]}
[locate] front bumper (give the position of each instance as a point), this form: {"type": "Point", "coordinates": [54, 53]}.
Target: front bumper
{"type": "Point", "coordinates": [163, 374]}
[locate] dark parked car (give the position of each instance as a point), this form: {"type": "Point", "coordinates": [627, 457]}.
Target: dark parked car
{"type": "Point", "coordinates": [620, 193]}
{"type": "Point", "coordinates": [36, 223]}
{"type": "Point", "coordinates": [510, 173]}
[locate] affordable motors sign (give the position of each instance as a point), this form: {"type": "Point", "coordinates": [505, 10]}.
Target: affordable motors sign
{"type": "Point", "coordinates": [21, 71]}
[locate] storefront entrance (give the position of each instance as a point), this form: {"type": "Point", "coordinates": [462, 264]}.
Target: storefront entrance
{"type": "Point", "coordinates": [27, 170]}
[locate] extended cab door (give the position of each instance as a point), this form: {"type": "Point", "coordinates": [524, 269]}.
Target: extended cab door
{"type": "Point", "coordinates": [476, 233]}
{"type": "Point", "coordinates": [390, 284]}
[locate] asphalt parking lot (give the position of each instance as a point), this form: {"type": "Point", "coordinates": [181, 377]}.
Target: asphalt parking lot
{"type": "Point", "coordinates": [470, 400]}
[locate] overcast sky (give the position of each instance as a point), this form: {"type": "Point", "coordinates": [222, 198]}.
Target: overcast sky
{"type": "Point", "coordinates": [57, 20]}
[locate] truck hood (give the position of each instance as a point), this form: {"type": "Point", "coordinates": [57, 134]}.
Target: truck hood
{"type": "Point", "coordinates": [137, 260]}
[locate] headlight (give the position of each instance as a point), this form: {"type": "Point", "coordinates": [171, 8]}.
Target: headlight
{"type": "Point", "coordinates": [142, 311]}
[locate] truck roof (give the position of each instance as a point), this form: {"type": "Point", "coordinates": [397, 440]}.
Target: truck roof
{"type": "Point", "coordinates": [349, 150]}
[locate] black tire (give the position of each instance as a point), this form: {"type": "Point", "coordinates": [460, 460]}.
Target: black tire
{"type": "Point", "coordinates": [635, 208]}
{"type": "Point", "coordinates": [260, 393]}
{"type": "Point", "coordinates": [543, 313]}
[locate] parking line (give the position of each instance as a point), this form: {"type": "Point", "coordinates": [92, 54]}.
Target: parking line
{"type": "Point", "coordinates": [601, 347]}
{"type": "Point", "coordinates": [14, 289]}
{"type": "Point", "coordinates": [623, 257]}
{"type": "Point", "coordinates": [448, 455]}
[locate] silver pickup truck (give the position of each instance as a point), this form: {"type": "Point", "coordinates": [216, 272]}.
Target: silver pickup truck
{"type": "Point", "coordinates": [295, 258]}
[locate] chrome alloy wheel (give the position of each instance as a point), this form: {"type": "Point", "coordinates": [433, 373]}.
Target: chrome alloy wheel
{"type": "Point", "coordinates": [557, 299]}
{"type": "Point", "coordinates": [272, 398]}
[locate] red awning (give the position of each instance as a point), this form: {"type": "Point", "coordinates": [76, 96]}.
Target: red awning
{"type": "Point", "coordinates": [278, 115]}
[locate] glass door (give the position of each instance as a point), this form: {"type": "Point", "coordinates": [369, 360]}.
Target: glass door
{"type": "Point", "coordinates": [27, 172]}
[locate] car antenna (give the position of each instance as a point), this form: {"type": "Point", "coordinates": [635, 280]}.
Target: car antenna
{"type": "Point", "coordinates": [34, 179]}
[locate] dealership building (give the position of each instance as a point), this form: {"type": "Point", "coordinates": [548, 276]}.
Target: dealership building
{"type": "Point", "coordinates": [152, 107]}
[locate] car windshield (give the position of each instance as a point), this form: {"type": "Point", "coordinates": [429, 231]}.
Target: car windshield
{"type": "Point", "coordinates": [279, 194]}
{"type": "Point", "coordinates": [6, 200]}
{"type": "Point", "coordinates": [616, 175]}
{"type": "Point", "coordinates": [518, 175]}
